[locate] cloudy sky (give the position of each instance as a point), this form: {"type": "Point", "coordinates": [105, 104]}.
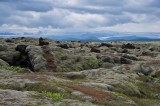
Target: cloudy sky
{"type": "Point", "coordinates": [59, 16]}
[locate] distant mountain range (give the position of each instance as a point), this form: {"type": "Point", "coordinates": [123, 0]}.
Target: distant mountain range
{"type": "Point", "coordinates": [91, 36]}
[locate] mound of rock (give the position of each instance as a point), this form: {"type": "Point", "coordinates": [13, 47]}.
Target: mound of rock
{"type": "Point", "coordinates": [64, 46]}
{"type": "Point", "coordinates": [37, 60]}
{"type": "Point", "coordinates": [106, 44]}
{"type": "Point", "coordinates": [43, 42]}
{"type": "Point", "coordinates": [21, 48]}
{"type": "Point", "coordinates": [115, 59]}
{"type": "Point", "coordinates": [93, 49]}
{"type": "Point", "coordinates": [128, 46]}
{"type": "Point", "coordinates": [9, 56]}
{"type": "Point", "coordinates": [131, 57]}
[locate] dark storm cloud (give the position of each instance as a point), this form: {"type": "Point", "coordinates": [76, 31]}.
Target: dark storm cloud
{"type": "Point", "coordinates": [79, 13]}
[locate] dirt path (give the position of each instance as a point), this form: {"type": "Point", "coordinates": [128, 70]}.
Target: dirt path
{"type": "Point", "coordinates": [50, 58]}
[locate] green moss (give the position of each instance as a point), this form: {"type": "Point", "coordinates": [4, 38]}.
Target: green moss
{"type": "Point", "coordinates": [76, 76]}
{"type": "Point", "coordinates": [36, 95]}
{"type": "Point", "coordinates": [121, 94]}
{"type": "Point", "coordinates": [127, 88]}
{"type": "Point", "coordinates": [56, 97]}
{"type": "Point", "coordinates": [11, 86]}
{"type": "Point", "coordinates": [13, 68]}
{"type": "Point", "coordinates": [144, 78]}
{"type": "Point", "coordinates": [39, 87]}
{"type": "Point", "coordinates": [107, 65]}
{"type": "Point", "coordinates": [150, 89]}
{"type": "Point", "coordinates": [145, 102]}
{"type": "Point", "coordinates": [65, 57]}
{"type": "Point", "coordinates": [91, 63]}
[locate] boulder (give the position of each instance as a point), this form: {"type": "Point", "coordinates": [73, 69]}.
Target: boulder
{"type": "Point", "coordinates": [9, 40]}
{"type": "Point", "coordinates": [124, 51]}
{"type": "Point", "coordinates": [128, 46]}
{"type": "Point", "coordinates": [142, 68]}
{"type": "Point", "coordinates": [3, 63]}
{"type": "Point", "coordinates": [107, 59]}
{"type": "Point", "coordinates": [3, 47]}
{"type": "Point", "coordinates": [151, 49]}
{"type": "Point", "coordinates": [106, 44]}
{"type": "Point", "coordinates": [39, 63]}
{"type": "Point", "coordinates": [157, 74]}
{"type": "Point", "coordinates": [116, 60]}
{"type": "Point", "coordinates": [37, 60]}
{"type": "Point", "coordinates": [125, 61]}
{"type": "Point", "coordinates": [34, 50]}
{"type": "Point", "coordinates": [64, 46]}
{"type": "Point", "coordinates": [75, 75]}
{"type": "Point", "coordinates": [147, 53]}
{"type": "Point", "coordinates": [93, 49]}
{"type": "Point", "coordinates": [131, 57]}
{"type": "Point", "coordinates": [57, 41]}
{"type": "Point", "coordinates": [42, 42]}
{"type": "Point", "coordinates": [21, 48]}
{"type": "Point", "coordinates": [9, 56]}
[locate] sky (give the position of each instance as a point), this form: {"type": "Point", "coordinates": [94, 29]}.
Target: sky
{"type": "Point", "coordinates": [61, 16]}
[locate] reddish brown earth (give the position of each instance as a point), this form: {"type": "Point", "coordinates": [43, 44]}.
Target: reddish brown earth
{"type": "Point", "coordinates": [50, 58]}
{"type": "Point", "coordinates": [96, 94]}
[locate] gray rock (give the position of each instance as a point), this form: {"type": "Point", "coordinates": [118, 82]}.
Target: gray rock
{"type": "Point", "coordinates": [9, 56]}
{"type": "Point", "coordinates": [19, 98]}
{"type": "Point", "coordinates": [125, 61]}
{"type": "Point", "coordinates": [157, 74]}
{"type": "Point", "coordinates": [3, 47]}
{"type": "Point", "coordinates": [3, 63]}
{"type": "Point", "coordinates": [82, 95]}
{"type": "Point", "coordinates": [70, 102]}
{"type": "Point", "coordinates": [107, 59]}
{"type": "Point", "coordinates": [131, 57]}
{"type": "Point", "coordinates": [142, 68]}
{"type": "Point", "coordinates": [37, 60]}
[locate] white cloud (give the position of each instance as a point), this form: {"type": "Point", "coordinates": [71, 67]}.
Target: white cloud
{"type": "Point", "coordinates": [134, 27]}
{"type": "Point", "coordinates": [80, 15]}
{"type": "Point", "coordinates": [85, 20]}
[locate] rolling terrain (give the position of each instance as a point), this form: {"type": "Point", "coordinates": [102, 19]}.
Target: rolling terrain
{"type": "Point", "coordinates": [47, 72]}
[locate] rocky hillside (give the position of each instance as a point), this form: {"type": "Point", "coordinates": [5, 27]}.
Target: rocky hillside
{"type": "Point", "coordinates": [42, 72]}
